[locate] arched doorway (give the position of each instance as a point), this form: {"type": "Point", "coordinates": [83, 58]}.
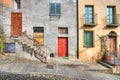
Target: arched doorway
{"type": "Point", "coordinates": [112, 43]}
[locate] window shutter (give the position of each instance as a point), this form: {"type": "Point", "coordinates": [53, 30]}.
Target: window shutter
{"type": "Point", "coordinates": [58, 8]}
{"type": "Point", "coordinates": [85, 39]}
{"type": "Point", "coordinates": [88, 39]}
{"type": "Point", "coordinates": [52, 8]}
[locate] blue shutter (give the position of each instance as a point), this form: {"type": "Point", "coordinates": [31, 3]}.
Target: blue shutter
{"type": "Point", "coordinates": [52, 8]}
{"type": "Point", "coordinates": [12, 47]}
{"type": "Point", "coordinates": [6, 46]}
{"type": "Point", "coordinates": [58, 8]}
{"type": "Point", "coordinates": [9, 47]}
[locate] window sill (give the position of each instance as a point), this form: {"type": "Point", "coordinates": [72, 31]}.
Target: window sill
{"type": "Point", "coordinates": [55, 15]}
{"type": "Point", "coordinates": [88, 46]}
{"type": "Point", "coordinates": [90, 24]}
{"type": "Point", "coordinates": [112, 25]}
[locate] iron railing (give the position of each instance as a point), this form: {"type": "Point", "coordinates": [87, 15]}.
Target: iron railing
{"type": "Point", "coordinates": [113, 20]}
{"type": "Point", "coordinates": [90, 19]}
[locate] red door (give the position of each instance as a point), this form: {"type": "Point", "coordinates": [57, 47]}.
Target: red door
{"type": "Point", "coordinates": [16, 24]}
{"type": "Point", "coordinates": [112, 44]}
{"type": "Point", "coordinates": [62, 46]}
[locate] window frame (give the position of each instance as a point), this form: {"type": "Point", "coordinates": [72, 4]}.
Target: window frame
{"type": "Point", "coordinates": [55, 12]}
{"type": "Point", "coordinates": [89, 44]}
{"type": "Point", "coordinates": [90, 14]}
{"type": "Point", "coordinates": [38, 30]}
{"type": "Point", "coordinates": [40, 35]}
{"type": "Point", "coordinates": [63, 30]}
{"type": "Point", "coordinates": [111, 15]}
{"type": "Point", "coordinates": [18, 4]}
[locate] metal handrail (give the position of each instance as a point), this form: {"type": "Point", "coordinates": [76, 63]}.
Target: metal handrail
{"type": "Point", "coordinates": [115, 19]}
{"type": "Point", "coordinates": [94, 19]}
{"type": "Point", "coordinates": [38, 45]}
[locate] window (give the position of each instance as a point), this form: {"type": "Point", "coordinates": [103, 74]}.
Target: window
{"type": "Point", "coordinates": [38, 29]}
{"type": "Point", "coordinates": [110, 14]}
{"type": "Point", "coordinates": [38, 35]}
{"type": "Point", "coordinates": [63, 30]}
{"type": "Point", "coordinates": [55, 8]}
{"type": "Point", "coordinates": [88, 38]}
{"type": "Point", "coordinates": [17, 4]}
{"type": "Point", "coordinates": [89, 18]}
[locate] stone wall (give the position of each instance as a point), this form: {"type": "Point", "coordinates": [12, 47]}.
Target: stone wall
{"type": "Point", "coordinates": [35, 13]}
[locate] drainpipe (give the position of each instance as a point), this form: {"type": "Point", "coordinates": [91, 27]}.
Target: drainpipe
{"type": "Point", "coordinates": [77, 18]}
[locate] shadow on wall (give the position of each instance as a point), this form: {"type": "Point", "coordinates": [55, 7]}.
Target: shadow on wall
{"type": "Point", "coordinates": [91, 55]}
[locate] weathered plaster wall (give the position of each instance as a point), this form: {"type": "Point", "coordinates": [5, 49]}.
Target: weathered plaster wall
{"type": "Point", "coordinates": [100, 7]}
{"type": "Point", "coordinates": [35, 13]}
{"type": "Point", "coordinates": [6, 19]}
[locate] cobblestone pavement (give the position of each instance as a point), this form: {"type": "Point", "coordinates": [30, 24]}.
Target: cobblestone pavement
{"type": "Point", "coordinates": [12, 66]}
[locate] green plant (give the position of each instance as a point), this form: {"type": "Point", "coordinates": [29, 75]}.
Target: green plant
{"type": "Point", "coordinates": [106, 54]}
{"type": "Point", "coordinates": [1, 42]}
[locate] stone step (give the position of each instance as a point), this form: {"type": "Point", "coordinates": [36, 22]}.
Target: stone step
{"type": "Point", "coordinates": [113, 69]}
{"type": "Point", "coordinates": [98, 68]}
{"type": "Point", "coordinates": [40, 54]}
{"type": "Point", "coordinates": [106, 65]}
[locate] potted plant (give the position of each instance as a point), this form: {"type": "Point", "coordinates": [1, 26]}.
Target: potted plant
{"type": "Point", "coordinates": [107, 56]}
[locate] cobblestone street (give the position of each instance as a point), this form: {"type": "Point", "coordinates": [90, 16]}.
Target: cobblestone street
{"type": "Point", "coordinates": [21, 68]}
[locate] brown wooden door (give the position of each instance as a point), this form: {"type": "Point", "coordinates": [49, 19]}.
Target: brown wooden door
{"type": "Point", "coordinates": [16, 24]}
{"type": "Point", "coordinates": [62, 46]}
{"type": "Point", "coordinates": [112, 45]}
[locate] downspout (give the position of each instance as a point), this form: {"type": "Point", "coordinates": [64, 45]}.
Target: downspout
{"type": "Point", "coordinates": [77, 18]}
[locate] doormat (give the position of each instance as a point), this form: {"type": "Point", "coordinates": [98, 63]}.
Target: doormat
{"type": "Point", "coordinates": [49, 66]}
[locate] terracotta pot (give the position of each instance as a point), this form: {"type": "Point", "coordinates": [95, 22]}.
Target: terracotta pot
{"type": "Point", "coordinates": [107, 58]}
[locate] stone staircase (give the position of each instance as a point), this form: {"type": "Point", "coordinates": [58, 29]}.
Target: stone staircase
{"type": "Point", "coordinates": [115, 69]}
{"type": "Point", "coordinates": [98, 68]}
{"type": "Point", "coordinates": [33, 50]}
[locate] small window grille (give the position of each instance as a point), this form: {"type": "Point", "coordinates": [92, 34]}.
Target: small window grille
{"type": "Point", "coordinates": [38, 29]}
{"type": "Point", "coordinates": [63, 30]}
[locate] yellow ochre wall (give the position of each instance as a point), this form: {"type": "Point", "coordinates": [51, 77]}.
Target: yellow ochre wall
{"type": "Point", "coordinates": [92, 55]}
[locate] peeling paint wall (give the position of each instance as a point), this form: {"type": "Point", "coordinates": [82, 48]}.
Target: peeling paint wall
{"type": "Point", "coordinates": [35, 13]}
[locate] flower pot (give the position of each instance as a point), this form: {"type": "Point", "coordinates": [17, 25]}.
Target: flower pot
{"type": "Point", "coordinates": [107, 58]}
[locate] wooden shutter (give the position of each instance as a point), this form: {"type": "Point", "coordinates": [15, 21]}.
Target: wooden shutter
{"type": "Point", "coordinates": [88, 39]}
{"type": "Point", "coordinates": [52, 8]}
{"type": "Point", "coordinates": [58, 8]}
{"type": "Point", "coordinates": [38, 35]}
{"type": "Point", "coordinates": [85, 39]}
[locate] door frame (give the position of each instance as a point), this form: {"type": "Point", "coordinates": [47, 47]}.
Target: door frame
{"type": "Point", "coordinates": [113, 34]}
{"type": "Point", "coordinates": [12, 24]}
{"type": "Point", "coordinates": [67, 47]}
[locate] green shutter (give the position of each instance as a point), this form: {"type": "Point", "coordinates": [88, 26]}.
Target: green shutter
{"type": "Point", "coordinates": [85, 39]}
{"type": "Point", "coordinates": [88, 39]}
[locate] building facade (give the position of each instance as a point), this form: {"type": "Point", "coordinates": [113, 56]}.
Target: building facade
{"type": "Point", "coordinates": [51, 24]}
{"type": "Point", "coordinates": [97, 19]}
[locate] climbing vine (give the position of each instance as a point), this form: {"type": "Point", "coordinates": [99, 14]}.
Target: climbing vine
{"type": "Point", "coordinates": [104, 44]}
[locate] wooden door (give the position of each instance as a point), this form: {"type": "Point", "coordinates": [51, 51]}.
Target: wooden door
{"type": "Point", "coordinates": [16, 24]}
{"type": "Point", "coordinates": [62, 46]}
{"type": "Point", "coordinates": [112, 45]}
